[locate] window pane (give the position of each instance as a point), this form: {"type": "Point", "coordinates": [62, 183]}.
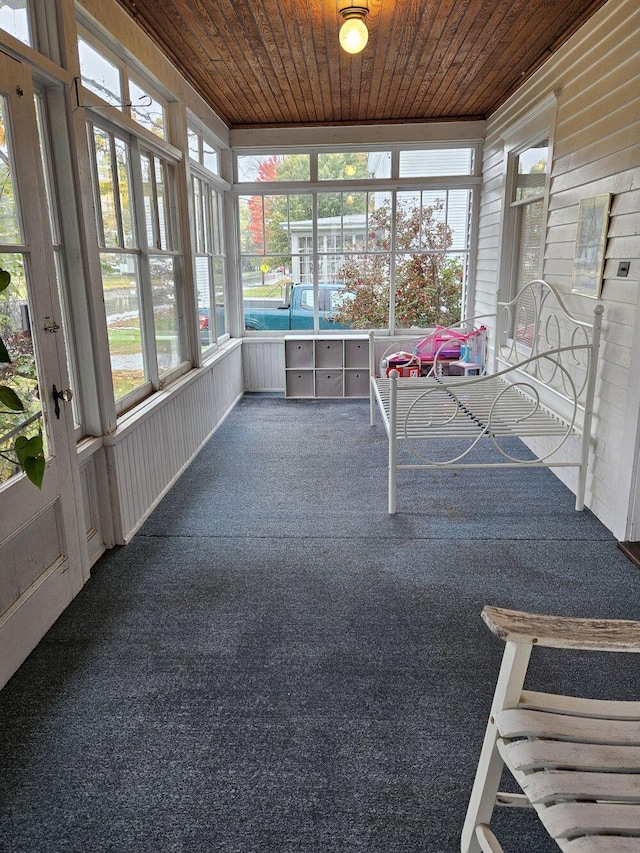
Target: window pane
{"type": "Point", "coordinates": [350, 166]}
{"type": "Point", "coordinates": [251, 225]}
{"type": "Point", "coordinates": [99, 75]}
{"type": "Point", "coordinates": [193, 142]}
{"type": "Point", "coordinates": [124, 194]}
{"type": "Point", "coordinates": [205, 320]}
{"type": "Point", "coordinates": [428, 277]}
{"type": "Point", "coordinates": [21, 373]}
{"type": "Point", "coordinates": [215, 240]}
{"type": "Point", "coordinates": [161, 169]}
{"type": "Point", "coordinates": [274, 167]}
{"type": "Point", "coordinates": [165, 313]}
{"type": "Point", "coordinates": [122, 306]}
{"type": "Point", "coordinates": [276, 223]}
{"type": "Point", "coordinates": [219, 279]}
{"type": "Point", "coordinates": [363, 299]}
{"type": "Point", "coordinates": [300, 222]}
{"type": "Point", "coordinates": [150, 211]}
{"type": "Point", "coordinates": [107, 214]}
{"type": "Point", "coordinates": [529, 225]}
{"type": "Point", "coordinates": [346, 252]}
{"type": "Point", "coordinates": [458, 218]}
{"type": "Point", "coordinates": [45, 149]}
{"type": "Point", "coordinates": [115, 219]}
{"type": "Point", "coordinates": [532, 166]}
{"type": "Point", "coordinates": [379, 221]}
{"type": "Point", "coordinates": [433, 162]}
{"type": "Point", "coordinates": [155, 207]}
{"type": "Point", "coordinates": [9, 221]}
{"type": "Point", "coordinates": [146, 111]}
{"type": "Point", "coordinates": [210, 269]}
{"type": "Point", "coordinates": [209, 157]}
{"type": "Point", "coordinates": [14, 19]}
{"type": "Point", "coordinates": [200, 217]}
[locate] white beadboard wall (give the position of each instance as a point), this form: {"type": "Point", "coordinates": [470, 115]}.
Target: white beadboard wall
{"type": "Point", "coordinates": [147, 453]}
{"type": "Point", "coordinates": [596, 75]}
{"type": "Point", "coordinates": [263, 363]}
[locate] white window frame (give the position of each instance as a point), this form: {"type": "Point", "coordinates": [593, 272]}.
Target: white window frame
{"type": "Point", "coordinates": [204, 136]}
{"type": "Point", "coordinates": [216, 247]}
{"type": "Point", "coordinates": [471, 182]}
{"type": "Point", "coordinates": [127, 72]}
{"type": "Point", "coordinates": [536, 125]}
{"type": "Point", "coordinates": [153, 380]}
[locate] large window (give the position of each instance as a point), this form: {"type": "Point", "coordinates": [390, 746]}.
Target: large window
{"type": "Point", "coordinates": [528, 148]}
{"type": "Point", "coordinates": [139, 256]}
{"type": "Point", "coordinates": [208, 237]}
{"type": "Point", "coordinates": [391, 250]}
{"type": "Point", "coordinates": [530, 167]}
{"type": "Point", "coordinates": [210, 262]}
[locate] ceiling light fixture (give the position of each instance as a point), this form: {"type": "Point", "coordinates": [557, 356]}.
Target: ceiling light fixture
{"type": "Point", "coordinates": [353, 33]}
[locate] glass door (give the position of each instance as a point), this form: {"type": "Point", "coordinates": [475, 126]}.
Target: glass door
{"type": "Point", "coordinates": [43, 559]}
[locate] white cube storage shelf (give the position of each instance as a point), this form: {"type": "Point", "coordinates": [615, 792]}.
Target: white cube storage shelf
{"type": "Point", "coordinates": [326, 367]}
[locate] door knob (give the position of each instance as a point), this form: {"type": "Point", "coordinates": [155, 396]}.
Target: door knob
{"type": "Point", "coordinates": [66, 396]}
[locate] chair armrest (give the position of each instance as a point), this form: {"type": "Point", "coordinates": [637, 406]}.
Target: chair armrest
{"type": "Point", "coordinates": [561, 632]}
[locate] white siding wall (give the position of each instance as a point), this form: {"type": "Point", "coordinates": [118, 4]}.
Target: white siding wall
{"type": "Point", "coordinates": [596, 150]}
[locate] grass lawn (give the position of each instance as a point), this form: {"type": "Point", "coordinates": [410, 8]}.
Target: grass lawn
{"type": "Point", "coordinates": [124, 341]}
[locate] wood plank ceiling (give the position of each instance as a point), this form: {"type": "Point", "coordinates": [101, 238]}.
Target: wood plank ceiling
{"type": "Point", "coordinates": [278, 62]}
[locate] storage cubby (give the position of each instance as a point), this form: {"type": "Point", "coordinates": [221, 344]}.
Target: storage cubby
{"type": "Point", "coordinates": [326, 367]}
{"type": "Point", "coordinates": [329, 383]}
{"type": "Point", "coordinates": [299, 353]}
{"type": "Point", "coordinates": [356, 353]}
{"type": "Point", "coordinates": [329, 353]}
{"type": "Point", "coordinates": [356, 383]}
{"type": "Point", "coordinates": [300, 383]}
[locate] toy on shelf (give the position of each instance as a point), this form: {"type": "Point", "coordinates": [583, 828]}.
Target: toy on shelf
{"type": "Point", "coordinates": [406, 363]}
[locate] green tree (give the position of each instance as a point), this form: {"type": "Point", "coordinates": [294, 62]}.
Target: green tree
{"type": "Point", "coordinates": [428, 281]}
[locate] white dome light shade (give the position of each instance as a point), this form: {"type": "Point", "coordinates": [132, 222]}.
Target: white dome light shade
{"type": "Point", "coordinates": [353, 35]}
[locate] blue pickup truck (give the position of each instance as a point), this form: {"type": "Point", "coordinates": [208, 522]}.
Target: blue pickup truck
{"type": "Point", "coordinates": [296, 311]}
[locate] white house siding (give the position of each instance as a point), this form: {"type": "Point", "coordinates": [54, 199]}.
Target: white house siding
{"type": "Point", "coordinates": [596, 76]}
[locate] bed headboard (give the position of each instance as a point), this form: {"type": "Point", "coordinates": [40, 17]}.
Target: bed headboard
{"type": "Point", "coordinates": [549, 344]}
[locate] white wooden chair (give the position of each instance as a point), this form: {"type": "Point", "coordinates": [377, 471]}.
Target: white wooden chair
{"type": "Point", "coordinates": [576, 760]}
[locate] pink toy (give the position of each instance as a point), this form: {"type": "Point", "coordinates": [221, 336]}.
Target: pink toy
{"type": "Point", "coordinates": [445, 343]}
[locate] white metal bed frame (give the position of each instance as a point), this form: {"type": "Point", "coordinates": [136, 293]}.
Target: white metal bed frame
{"type": "Point", "coordinates": [542, 383]}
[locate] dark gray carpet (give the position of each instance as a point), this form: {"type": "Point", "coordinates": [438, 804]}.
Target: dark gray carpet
{"type": "Point", "coordinates": [274, 665]}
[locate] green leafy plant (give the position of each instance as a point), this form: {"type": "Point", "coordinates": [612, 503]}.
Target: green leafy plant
{"type": "Point", "coordinates": [428, 280]}
{"type": "Point", "coordinates": [28, 452]}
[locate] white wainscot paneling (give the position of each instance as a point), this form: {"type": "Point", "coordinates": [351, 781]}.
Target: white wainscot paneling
{"type": "Point", "coordinates": [263, 361]}
{"type": "Point", "coordinates": [96, 515]}
{"type": "Point", "coordinates": [149, 451]}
